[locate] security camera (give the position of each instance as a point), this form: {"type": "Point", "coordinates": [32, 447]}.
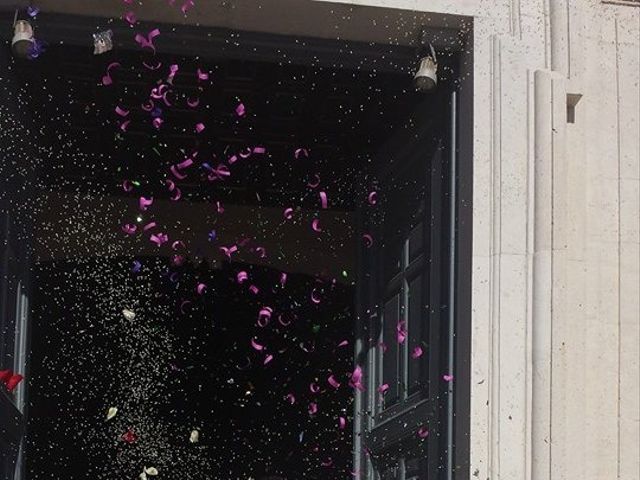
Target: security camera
{"type": "Point", "coordinates": [426, 77]}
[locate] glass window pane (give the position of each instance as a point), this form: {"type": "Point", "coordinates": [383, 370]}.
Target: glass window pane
{"type": "Point", "coordinates": [392, 261]}
{"type": "Point", "coordinates": [417, 327]}
{"type": "Point", "coordinates": [390, 472]}
{"type": "Point", "coordinates": [416, 242]}
{"type": "Point", "coordinates": [416, 468]}
{"type": "Point", "coordinates": [390, 350]}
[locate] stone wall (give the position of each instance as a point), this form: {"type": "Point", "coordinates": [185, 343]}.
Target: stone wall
{"type": "Point", "coordinates": [556, 242]}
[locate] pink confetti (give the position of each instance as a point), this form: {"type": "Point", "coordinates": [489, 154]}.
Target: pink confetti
{"type": "Point", "coordinates": [373, 198]}
{"type": "Point", "coordinates": [253, 289]}
{"type": "Point", "coordinates": [176, 173]}
{"type": "Point", "coordinates": [184, 304]}
{"type": "Point", "coordinates": [229, 250]}
{"type": "Point", "coordinates": [149, 226]}
{"type": "Point", "coordinates": [401, 331]}
{"type": "Point", "coordinates": [316, 183]}
{"type": "Point", "coordinates": [261, 251]}
{"type": "Point", "coordinates": [333, 382]}
{"type": "Point", "coordinates": [129, 229]}
{"type": "Point", "coordinates": [199, 127]}
{"type": "Point", "coordinates": [124, 125]}
{"type": "Point", "coordinates": [342, 423]}
{"type": "Point", "coordinates": [282, 322]}
{"type": "Point", "coordinates": [343, 343]}
{"type": "Point", "coordinates": [314, 388]}
{"type": "Point", "coordinates": [267, 359]}
{"type": "Point", "coordinates": [107, 80]}
{"type": "Point", "coordinates": [147, 107]}
{"type": "Point", "coordinates": [242, 276]}
{"type": "Point", "coordinates": [152, 67]}
{"type": "Point", "coordinates": [185, 164]}
{"type": "Point", "coordinates": [201, 288]}
{"type": "Point", "coordinates": [219, 173]}
{"type": "Point", "coordinates": [315, 225]}
{"type": "Point", "coordinates": [314, 297]}
{"type": "Point", "coordinates": [447, 378]}
{"type": "Point", "coordinates": [240, 110]}
{"type": "Point", "coordinates": [186, 6]}
{"type": "Point", "coordinates": [147, 42]}
{"type": "Point", "coordinates": [121, 111]}
{"type": "Point", "coordinates": [165, 99]}
{"type": "Point", "coordinates": [127, 186]}
{"type": "Point", "coordinates": [264, 316]}
{"type": "Point", "coordinates": [158, 92]}
{"type": "Point", "coordinates": [417, 352]}
{"type": "Point", "coordinates": [313, 408]}
{"type": "Point", "coordinates": [202, 75]}
{"type": "Point", "coordinates": [259, 150]}
{"type": "Point", "coordinates": [368, 240]}
{"type": "Point", "coordinates": [423, 432]}
{"type": "Point", "coordinates": [159, 239]}
{"type": "Point", "coordinates": [144, 203]}
{"type": "Point", "coordinates": [193, 103]}
{"type": "Point", "coordinates": [356, 379]}
{"type": "Point", "coordinates": [177, 195]}
{"type": "Point", "coordinates": [173, 69]}
{"type": "Point", "coordinates": [382, 389]}
{"type": "Point", "coordinates": [290, 398]}
{"type": "Point", "coordinates": [157, 122]}
{"type": "Point", "coordinates": [256, 345]}
{"type": "Point", "coordinates": [130, 17]}
{"type": "Point", "coordinates": [288, 213]}
{"type": "Point", "coordinates": [301, 151]}
{"type": "Point", "coordinates": [283, 279]}
{"type": "Point", "coordinates": [178, 244]}
{"type": "Point", "coordinates": [323, 200]}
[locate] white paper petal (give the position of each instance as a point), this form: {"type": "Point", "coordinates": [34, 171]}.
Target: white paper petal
{"type": "Point", "coordinates": [142, 476]}
{"type": "Point", "coordinates": [112, 413]}
{"type": "Point", "coordinates": [151, 471]}
{"type": "Point", "coordinates": [194, 437]}
{"type": "Point", "coordinates": [128, 314]}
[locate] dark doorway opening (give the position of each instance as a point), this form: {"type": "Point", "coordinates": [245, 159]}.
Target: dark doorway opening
{"type": "Point", "coordinates": [187, 362]}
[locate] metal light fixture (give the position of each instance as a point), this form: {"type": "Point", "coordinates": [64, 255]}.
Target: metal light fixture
{"type": "Point", "coordinates": [23, 39]}
{"type": "Point", "coordinates": [102, 42]}
{"type": "Point", "coordinates": [426, 77]}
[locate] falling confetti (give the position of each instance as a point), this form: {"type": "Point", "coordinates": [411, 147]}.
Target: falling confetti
{"type": "Point", "coordinates": [231, 241]}
{"type": "Point", "coordinates": [112, 412]}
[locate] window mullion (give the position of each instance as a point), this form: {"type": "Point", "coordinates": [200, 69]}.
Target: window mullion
{"type": "Point", "coordinates": [403, 364]}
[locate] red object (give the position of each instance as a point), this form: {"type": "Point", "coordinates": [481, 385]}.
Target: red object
{"type": "Point", "coordinates": [5, 375]}
{"type": "Point", "coordinates": [129, 436]}
{"type": "Point", "coordinates": [13, 382]}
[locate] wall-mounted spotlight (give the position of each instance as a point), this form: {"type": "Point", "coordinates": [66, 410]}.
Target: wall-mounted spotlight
{"type": "Point", "coordinates": [426, 77]}
{"type": "Point", "coordinates": [23, 39]}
